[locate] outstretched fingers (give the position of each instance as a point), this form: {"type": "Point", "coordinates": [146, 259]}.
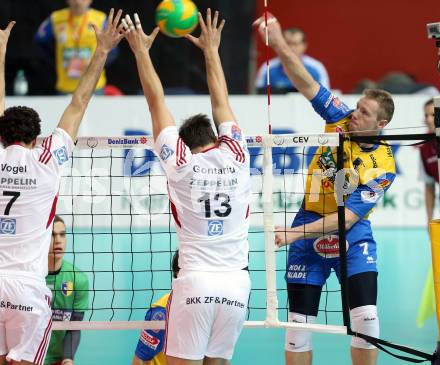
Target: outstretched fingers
{"type": "Point", "coordinates": [154, 33]}
{"type": "Point", "coordinates": [208, 19]}
{"type": "Point", "coordinates": [261, 21]}
{"type": "Point", "coordinates": [192, 39]}
{"type": "Point", "coordinates": [95, 28]}
{"type": "Point", "coordinates": [121, 28]}
{"type": "Point", "coordinates": [137, 22]}
{"type": "Point", "coordinates": [110, 16]}
{"type": "Point", "coordinates": [202, 22]}
{"type": "Point", "coordinates": [125, 25]}
{"type": "Point", "coordinates": [215, 19]}
{"type": "Point", "coordinates": [10, 26]}
{"type": "Point", "coordinates": [129, 23]}
{"type": "Point", "coordinates": [222, 24]}
{"type": "Point", "coordinates": [117, 18]}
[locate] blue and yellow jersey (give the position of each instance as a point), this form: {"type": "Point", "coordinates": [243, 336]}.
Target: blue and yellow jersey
{"type": "Point", "coordinates": [151, 342]}
{"type": "Point", "coordinates": [75, 43]}
{"type": "Point", "coordinates": [370, 171]}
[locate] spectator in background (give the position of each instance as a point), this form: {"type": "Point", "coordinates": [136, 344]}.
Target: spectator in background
{"type": "Point", "coordinates": [397, 83]}
{"type": "Point", "coordinates": [429, 166]}
{"type": "Point", "coordinates": [68, 34]}
{"type": "Point", "coordinates": [70, 297]}
{"type": "Point", "coordinates": [279, 82]}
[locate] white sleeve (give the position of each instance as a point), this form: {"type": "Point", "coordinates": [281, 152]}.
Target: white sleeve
{"type": "Point", "coordinates": [233, 141]}
{"type": "Point", "coordinates": [173, 153]}
{"type": "Point", "coordinates": [56, 149]}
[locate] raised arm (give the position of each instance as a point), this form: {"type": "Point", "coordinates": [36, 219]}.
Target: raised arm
{"type": "Point", "coordinates": [209, 42]}
{"type": "Point", "coordinates": [293, 65]}
{"type": "Point", "coordinates": [4, 36]}
{"type": "Point", "coordinates": [140, 44]}
{"type": "Point", "coordinates": [106, 39]}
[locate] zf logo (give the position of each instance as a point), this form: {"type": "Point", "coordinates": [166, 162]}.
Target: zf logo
{"type": "Point", "coordinates": [215, 228]}
{"type": "Point", "coordinates": [61, 155]}
{"type": "Point", "coordinates": [7, 226]}
{"type": "Point", "coordinates": [166, 152]}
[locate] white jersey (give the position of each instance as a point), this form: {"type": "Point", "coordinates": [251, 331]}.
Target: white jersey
{"type": "Point", "coordinates": [29, 184]}
{"type": "Point", "coordinates": [210, 195]}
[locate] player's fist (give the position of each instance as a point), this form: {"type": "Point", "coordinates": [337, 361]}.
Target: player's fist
{"type": "Point", "coordinates": [281, 236]}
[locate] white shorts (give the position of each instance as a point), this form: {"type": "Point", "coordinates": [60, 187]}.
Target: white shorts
{"type": "Point", "coordinates": [25, 319]}
{"type": "Point", "coordinates": [206, 312]}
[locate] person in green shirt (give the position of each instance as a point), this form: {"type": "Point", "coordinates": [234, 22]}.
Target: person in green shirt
{"type": "Point", "coordinates": [70, 297]}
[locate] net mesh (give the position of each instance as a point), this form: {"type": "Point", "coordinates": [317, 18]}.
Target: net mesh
{"type": "Point", "coordinates": [120, 231]}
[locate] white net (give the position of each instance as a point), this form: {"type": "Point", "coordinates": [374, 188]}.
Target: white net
{"type": "Point", "coordinates": [113, 198]}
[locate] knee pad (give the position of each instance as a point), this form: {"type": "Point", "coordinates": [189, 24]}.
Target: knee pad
{"type": "Point", "coordinates": [299, 340]}
{"type": "Point", "coordinates": [364, 320]}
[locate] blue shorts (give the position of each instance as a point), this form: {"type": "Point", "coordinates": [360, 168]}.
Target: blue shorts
{"type": "Point", "coordinates": [310, 261]}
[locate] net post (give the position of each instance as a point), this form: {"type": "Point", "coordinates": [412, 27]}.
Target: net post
{"type": "Point", "coordinates": [437, 126]}
{"type": "Point", "coordinates": [340, 182]}
{"type": "Point", "coordinates": [269, 236]}
{"type": "Point", "coordinates": [434, 231]}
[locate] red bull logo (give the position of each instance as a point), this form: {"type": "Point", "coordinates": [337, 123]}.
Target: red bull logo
{"type": "Point", "coordinates": [327, 246]}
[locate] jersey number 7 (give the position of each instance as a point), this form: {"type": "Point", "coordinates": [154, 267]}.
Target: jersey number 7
{"type": "Point", "coordinates": [15, 195]}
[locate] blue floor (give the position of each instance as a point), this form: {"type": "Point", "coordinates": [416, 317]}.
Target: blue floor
{"type": "Point", "coordinates": [404, 258]}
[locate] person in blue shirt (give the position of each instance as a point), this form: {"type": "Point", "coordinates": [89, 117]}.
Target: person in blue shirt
{"type": "Point", "coordinates": [279, 81]}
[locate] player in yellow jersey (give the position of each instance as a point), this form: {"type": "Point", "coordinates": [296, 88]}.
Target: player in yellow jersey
{"type": "Point", "coordinates": [313, 239]}
{"type": "Point", "coordinates": [149, 350]}
{"type": "Point", "coordinates": [69, 31]}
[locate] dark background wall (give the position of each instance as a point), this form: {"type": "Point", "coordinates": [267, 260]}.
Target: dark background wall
{"type": "Point", "coordinates": [357, 39]}
{"type": "Point", "coordinates": [179, 63]}
{"type": "Point", "coordinates": [354, 39]}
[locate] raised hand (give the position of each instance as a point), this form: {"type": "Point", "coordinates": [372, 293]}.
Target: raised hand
{"type": "Point", "coordinates": [135, 35]}
{"type": "Point", "coordinates": [4, 36]}
{"type": "Point", "coordinates": [108, 38]}
{"type": "Point", "coordinates": [211, 32]}
{"type": "Point", "coordinates": [274, 30]}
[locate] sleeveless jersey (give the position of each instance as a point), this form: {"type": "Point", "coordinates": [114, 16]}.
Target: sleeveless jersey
{"type": "Point", "coordinates": [209, 194]}
{"type": "Point", "coordinates": [69, 293]}
{"type": "Point", "coordinates": [29, 183]}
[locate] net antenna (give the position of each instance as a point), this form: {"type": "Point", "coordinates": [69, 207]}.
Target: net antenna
{"type": "Point", "coordinates": [267, 55]}
{"type": "Point", "coordinates": [433, 30]}
{"type": "Point", "coordinates": [269, 235]}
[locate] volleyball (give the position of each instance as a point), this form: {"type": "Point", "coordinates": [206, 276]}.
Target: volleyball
{"type": "Point", "coordinates": [176, 18]}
